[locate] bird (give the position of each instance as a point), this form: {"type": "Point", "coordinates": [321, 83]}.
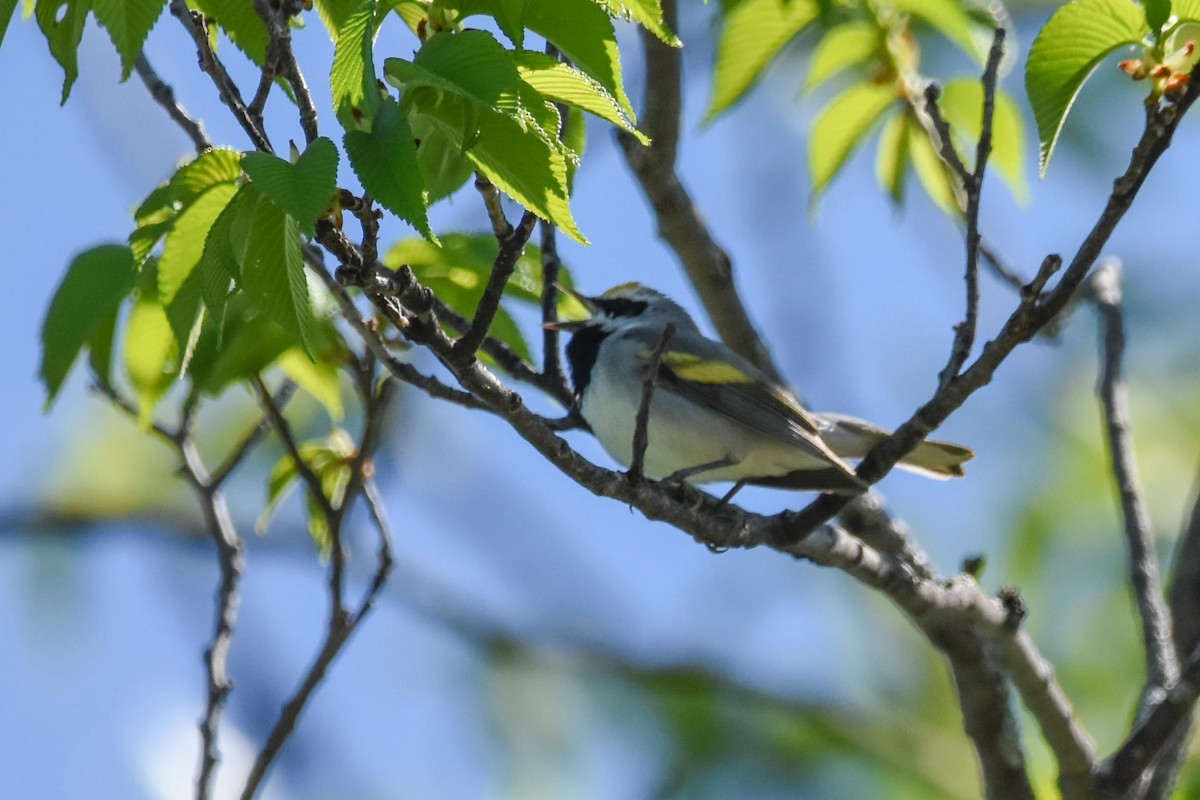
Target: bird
{"type": "Point", "coordinates": [713, 415]}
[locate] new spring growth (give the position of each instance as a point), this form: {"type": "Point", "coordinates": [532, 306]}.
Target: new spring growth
{"type": "Point", "coordinates": [1169, 74]}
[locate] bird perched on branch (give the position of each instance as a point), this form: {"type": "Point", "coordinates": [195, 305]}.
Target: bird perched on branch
{"type": "Point", "coordinates": [713, 415]}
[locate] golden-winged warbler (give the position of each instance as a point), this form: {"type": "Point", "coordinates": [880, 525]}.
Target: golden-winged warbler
{"type": "Point", "coordinates": [714, 416]}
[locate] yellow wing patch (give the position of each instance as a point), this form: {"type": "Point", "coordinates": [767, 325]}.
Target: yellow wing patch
{"type": "Point", "coordinates": [694, 368]}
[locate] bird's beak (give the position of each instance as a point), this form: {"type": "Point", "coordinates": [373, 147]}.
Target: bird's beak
{"type": "Point", "coordinates": [565, 326]}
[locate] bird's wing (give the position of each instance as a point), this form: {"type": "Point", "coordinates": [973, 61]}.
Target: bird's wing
{"type": "Point", "coordinates": [705, 373]}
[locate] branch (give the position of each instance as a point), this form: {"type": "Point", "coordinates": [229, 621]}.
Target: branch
{"type": "Point", "coordinates": [641, 429]}
{"type": "Point", "coordinates": [164, 95]}
{"type": "Point", "coordinates": [193, 23]}
{"type": "Point", "coordinates": [1162, 665]}
{"type": "Point", "coordinates": [251, 438]}
{"type": "Point", "coordinates": [283, 59]}
{"type": "Point", "coordinates": [552, 366]}
{"type": "Point", "coordinates": [679, 222]}
{"type": "Point", "coordinates": [964, 332]}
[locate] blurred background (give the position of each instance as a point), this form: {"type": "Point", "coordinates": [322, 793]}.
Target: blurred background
{"type": "Point", "coordinates": [537, 641]}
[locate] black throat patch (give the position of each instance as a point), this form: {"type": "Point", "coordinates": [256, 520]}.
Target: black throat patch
{"type": "Point", "coordinates": [581, 355]}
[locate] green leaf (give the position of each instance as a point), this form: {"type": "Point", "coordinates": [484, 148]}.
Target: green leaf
{"type": "Point", "coordinates": [523, 165]}
{"type": "Point", "coordinates": [239, 346]}
{"type": "Point", "coordinates": [648, 14]}
{"type": "Point", "coordinates": [574, 138]}
{"type": "Point", "coordinates": [352, 78]}
{"type": "Point", "coordinates": [128, 23]}
{"type": "Point", "coordinates": [843, 46]}
{"type": "Point", "coordinates": [62, 23]}
{"type": "Point", "coordinates": [440, 158]}
{"type": "Point", "coordinates": [385, 161]}
{"type": "Point", "coordinates": [329, 459]}
{"type": "Point", "coordinates": [585, 34]}
{"type": "Point", "coordinates": [752, 33]}
{"type": "Point", "coordinates": [841, 125]}
{"type": "Point", "coordinates": [240, 22]}
{"type": "Point", "coordinates": [471, 64]}
{"type": "Point", "coordinates": [1157, 13]}
{"type": "Point", "coordinates": [7, 7]}
{"type": "Point", "coordinates": [334, 14]}
{"type": "Point", "coordinates": [272, 267]}
{"type": "Point", "coordinates": [961, 105]}
{"type": "Point", "coordinates": [950, 18]}
{"type": "Point", "coordinates": [304, 189]}
{"type": "Point", "coordinates": [319, 379]}
{"type": "Point", "coordinates": [931, 170]}
{"type": "Point", "coordinates": [219, 262]}
{"type": "Point", "coordinates": [96, 283]}
{"type": "Point", "coordinates": [100, 348]}
{"type": "Point", "coordinates": [151, 352]}
{"type": "Point", "coordinates": [1075, 40]}
{"type": "Point", "coordinates": [565, 84]}
{"type": "Point", "coordinates": [180, 256]}
{"type": "Point", "coordinates": [891, 159]}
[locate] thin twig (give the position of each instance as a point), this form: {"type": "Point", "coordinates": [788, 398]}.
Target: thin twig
{"type": "Point", "coordinates": [641, 428]}
{"type": "Point", "coordinates": [1162, 665]}
{"type": "Point", "coordinates": [284, 60]}
{"type": "Point", "coordinates": [552, 366]}
{"type": "Point", "coordinates": [965, 331]}
{"type": "Point", "coordinates": [193, 23]}
{"type": "Point", "coordinates": [311, 481]}
{"type": "Point", "coordinates": [251, 438]}
{"type": "Point", "coordinates": [512, 245]}
{"type": "Point", "coordinates": [164, 95]}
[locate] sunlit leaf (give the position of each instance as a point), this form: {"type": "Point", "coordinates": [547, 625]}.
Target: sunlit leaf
{"type": "Point", "coordinates": [151, 351]}
{"type": "Point", "coordinates": [961, 105]}
{"type": "Point", "coordinates": [1077, 38]}
{"type": "Point", "coordinates": [558, 81]}
{"type": "Point", "coordinates": [841, 126]}
{"type": "Point", "coordinates": [647, 13]}
{"type": "Point", "coordinates": [319, 379]}
{"type": "Point", "coordinates": [62, 21]}
{"type": "Point", "coordinates": [752, 34]}
{"type": "Point", "coordinates": [948, 17]}
{"type": "Point", "coordinates": [843, 46]}
{"type": "Point", "coordinates": [891, 160]}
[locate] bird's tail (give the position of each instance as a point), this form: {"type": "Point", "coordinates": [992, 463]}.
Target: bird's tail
{"type": "Point", "coordinates": [852, 438]}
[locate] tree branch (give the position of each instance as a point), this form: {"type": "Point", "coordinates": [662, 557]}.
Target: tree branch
{"type": "Point", "coordinates": [1162, 664]}
{"type": "Point", "coordinates": [283, 59]}
{"type": "Point", "coordinates": [164, 95]}
{"type": "Point", "coordinates": [680, 224]}
{"type": "Point", "coordinates": [193, 23]}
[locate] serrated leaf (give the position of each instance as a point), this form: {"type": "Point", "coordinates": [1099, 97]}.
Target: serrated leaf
{"type": "Point", "coordinates": [272, 273]}
{"type": "Point", "coordinates": [62, 21]}
{"type": "Point", "coordinates": [385, 161]}
{"type": "Point", "coordinates": [151, 352]}
{"type": "Point", "coordinates": [841, 126]}
{"type": "Point", "coordinates": [948, 17]}
{"type": "Point", "coordinates": [319, 379]}
{"type": "Point", "coordinates": [128, 23]}
{"type": "Point", "coordinates": [1075, 40]}
{"type": "Point", "coordinates": [100, 347]}
{"type": "Point", "coordinates": [7, 7]}
{"type": "Point", "coordinates": [352, 77]}
{"type": "Point", "coordinates": [471, 64]}
{"type": "Point", "coordinates": [96, 283]}
{"type": "Point", "coordinates": [334, 14]}
{"type": "Point", "coordinates": [752, 34]}
{"type": "Point", "coordinates": [185, 243]}
{"type": "Point", "coordinates": [647, 13]}
{"type": "Point", "coordinates": [211, 167]}
{"type": "Point", "coordinates": [585, 34]}
{"type": "Point", "coordinates": [524, 166]}
{"type": "Point", "coordinates": [180, 285]}
{"type": "Point", "coordinates": [304, 189]}
{"type": "Point", "coordinates": [961, 105]}
{"type": "Point", "coordinates": [891, 158]}
{"type": "Point", "coordinates": [931, 170]}
{"type": "Point", "coordinates": [841, 47]}
{"type": "Point", "coordinates": [561, 82]}
{"type": "Point", "coordinates": [574, 138]}
{"type": "Point", "coordinates": [219, 263]}
{"type": "Point", "coordinates": [440, 158]}
{"type": "Point", "coordinates": [241, 24]}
